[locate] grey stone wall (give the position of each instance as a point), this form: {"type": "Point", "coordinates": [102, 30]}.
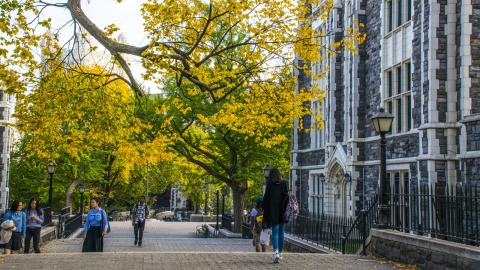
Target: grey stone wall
{"type": "Point", "coordinates": [311, 158]}
{"type": "Point", "coordinates": [397, 147]}
{"type": "Point", "coordinates": [475, 51]}
{"type": "Point", "coordinates": [373, 62]}
{"type": "Point", "coordinates": [339, 85]}
{"type": "Point", "coordinates": [424, 252]}
{"type": "Point", "coordinates": [425, 48]}
{"type": "Point", "coordinates": [362, 83]}
{"type": "Point", "coordinates": [473, 135]}
{"type": "Point", "coordinates": [442, 140]}
{"type": "Point", "coordinates": [417, 64]}
{"type": "Point", "coordinates": [441, 54]}
{"type": "Point", "coordinates": [472, 170]}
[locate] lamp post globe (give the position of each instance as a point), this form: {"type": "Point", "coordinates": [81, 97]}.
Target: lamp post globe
{"type": "Point", "coordinates": [382, 122]}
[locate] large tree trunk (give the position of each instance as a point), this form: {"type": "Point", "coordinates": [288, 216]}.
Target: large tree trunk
{"type": "Point", "coordinates": [238, 208]}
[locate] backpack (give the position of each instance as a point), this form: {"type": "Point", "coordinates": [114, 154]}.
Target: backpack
{"type": "Point", "coordinates": [291, 212]}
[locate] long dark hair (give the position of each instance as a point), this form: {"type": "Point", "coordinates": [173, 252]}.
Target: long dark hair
{"type": "Point", "coordinates": [274, 176]}
{"type": "Point", "coordinates": [29, 206]}
{"type": "Point", "coordinates": [15, 205]}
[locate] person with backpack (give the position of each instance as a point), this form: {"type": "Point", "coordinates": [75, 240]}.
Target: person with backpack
{"type": "Point", "coordinates": [35, 219]}
{"type": "Point", "coordinates": [95, 228]}
{"type": "Point", "coordinates": [256, 220]}
{"type": "Point", "coordinates": [18, 233]}
{"type": "Point", "coordinates": [139, 216]}
{"type": "Point", "coordinates": [275, 203]}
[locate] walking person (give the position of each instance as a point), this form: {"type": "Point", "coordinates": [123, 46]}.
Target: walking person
{"type": "Point", "coordinates": [18, 235]}
{"type": "Point", "coordinates": [256, 220]}
{"type": "Point", "coordinates": [95, 228]}
{"type": "Point", "coordinates": [275, 203]}
{"type": "Point", "coordinates": [35, 220]}
{"type": "Point", "coordinates": [139, 215]}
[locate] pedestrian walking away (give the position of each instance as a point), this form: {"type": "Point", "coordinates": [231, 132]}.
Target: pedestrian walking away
{"type": "Point", "coordinates": [139, 216]}
{"type": "Point", "coordinates": [95, 228]}
{"type": "Point", "coordinates": [17, 236]}
{"type": "Point", "coordinates": [35, 220]}
{"type": "Point", "coordinates": [275, 203]}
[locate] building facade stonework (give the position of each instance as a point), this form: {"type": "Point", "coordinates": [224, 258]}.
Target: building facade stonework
{"type": "Point", "coordinates": [421, 62]}
{"type": "Point", "coordinates": [8, 135]}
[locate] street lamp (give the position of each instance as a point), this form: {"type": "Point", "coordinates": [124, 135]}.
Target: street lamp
{"type": "Point", "coordinates": [51, 170]}
{"type": "Point", "coordinates": [81, 188]}
{"type": "Point", "coordinates": [224, 193]}
{"type": "Point", "coordinates": [382, 122]}
{"type": "Point", "coordinates": [266, 173]}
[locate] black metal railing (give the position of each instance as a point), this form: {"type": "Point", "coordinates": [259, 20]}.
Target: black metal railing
{"type": "Point", "coordinates": [227, 221]}
{"type": "Point", "coordinates": [448, 212]}
{"type": "Point", "coordinates": [71, 225]}
{"type": "Point", "coordinates": [324, 230]}
{"type": "Point", "coordinates": [47, 216]}
{"type": "Point", "coordinates": [355, 239]}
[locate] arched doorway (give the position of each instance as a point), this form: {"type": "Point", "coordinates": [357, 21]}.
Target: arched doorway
{"type": "Point", "coordinates": [338, 194]}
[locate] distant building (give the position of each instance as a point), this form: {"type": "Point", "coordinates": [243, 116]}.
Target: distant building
{"type": "Point", "coordinates": [8, 136]}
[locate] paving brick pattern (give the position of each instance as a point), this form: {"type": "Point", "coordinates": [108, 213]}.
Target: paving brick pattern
{"type": "Point", "coordinates": [172, 246]}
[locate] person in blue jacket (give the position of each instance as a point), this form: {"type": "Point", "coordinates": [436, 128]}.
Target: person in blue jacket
{"type": "Point", "coordinates": [95, 228]}
{"type": "Point", "coordinates": [19, 218]}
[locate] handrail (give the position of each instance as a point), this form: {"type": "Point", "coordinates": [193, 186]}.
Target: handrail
{"type": "Point", "coordinates": [362, 217]}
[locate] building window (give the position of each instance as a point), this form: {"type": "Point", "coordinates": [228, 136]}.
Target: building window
{"type": "Point", "coordinates": [389, 16]}
{"type": "Point", "coordinates": [316, 130]}
{"type": "Point", "coordinates": [316, 195]}
{"type": "Point", "coordinates": [398, 96]}
{"type": "Point", "coordinates": [397, 12]}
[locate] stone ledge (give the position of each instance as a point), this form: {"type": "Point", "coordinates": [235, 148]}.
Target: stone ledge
{"type": "Point", "coordinates": [425, 252]}
{"type": "Point", "coordinates": [433, 244]}
{"type": "Point", "coordinates": [305, 246]}
{"type": "Point", "coordinates": [470, 118]}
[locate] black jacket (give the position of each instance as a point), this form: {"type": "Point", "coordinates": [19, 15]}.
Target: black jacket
{"type": "Point", "coordinates": [275, 203]}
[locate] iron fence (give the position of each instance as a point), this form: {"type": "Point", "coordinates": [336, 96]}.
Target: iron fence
{"type": "Point", "coordinates": [326, 230]}
{"type": "Point", "coordinates": [71, 225]}
{"type": "Point", "coordinates": [47, 216]}
{"type": "Point", "coordinates": [448, 212]}
{"type": "Point", "coordinates": [227, 221]}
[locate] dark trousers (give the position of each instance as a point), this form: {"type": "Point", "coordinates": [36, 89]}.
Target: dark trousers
{"type": "Point", "coordinates": [35, 234]}
{"type": "Point", "coordinates": [138, 231]}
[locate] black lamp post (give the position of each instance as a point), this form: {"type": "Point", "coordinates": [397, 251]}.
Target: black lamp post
{"type": "Point", "coordinates": [382, 122]}
{"type": "Point", "coordinates": [218, 199]}
{"type": "Point", "coordinates": [81, 188]}
{"type": "Point", "coordinates": [224, 193]}
{"type": "Point", "coordinates": [51, 170]}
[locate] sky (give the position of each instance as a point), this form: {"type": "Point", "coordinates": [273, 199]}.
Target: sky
{"type": "Point", "coordinates": [126, 15]}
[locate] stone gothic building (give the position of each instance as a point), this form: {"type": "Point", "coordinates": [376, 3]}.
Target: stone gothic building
{"type": "Point", "coordinates": [421, 62]}
{"type": "Point", "coordinates": [8, 135]}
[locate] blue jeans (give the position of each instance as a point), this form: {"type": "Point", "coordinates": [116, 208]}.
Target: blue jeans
{"type": "Point", "coordinates": [278, 234]}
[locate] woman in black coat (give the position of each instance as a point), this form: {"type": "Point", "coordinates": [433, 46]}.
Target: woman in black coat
{"type": "Point", "coordinates": [275, 203]}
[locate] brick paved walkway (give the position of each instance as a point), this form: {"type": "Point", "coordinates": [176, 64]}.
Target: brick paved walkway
{"type": "Point", "coordinates": [173, 246]}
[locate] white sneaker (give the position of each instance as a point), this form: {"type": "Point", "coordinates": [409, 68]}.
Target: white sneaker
{"type": "Point", "coordinates": [280, 256]}
{"type": "Point", "coordinates": [276, 257]}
